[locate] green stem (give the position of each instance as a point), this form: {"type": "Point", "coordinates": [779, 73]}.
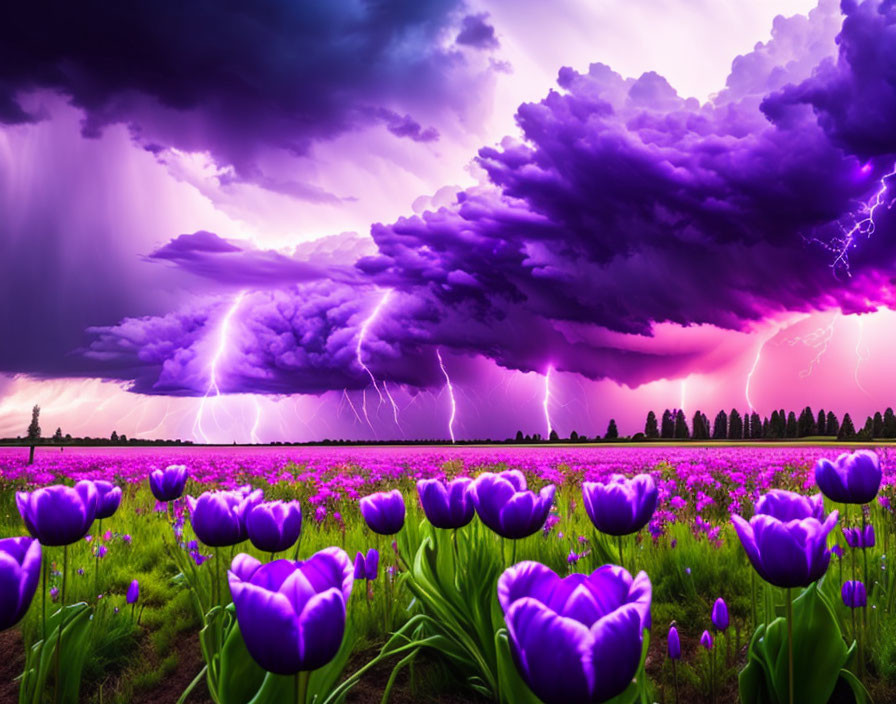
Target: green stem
{"type": "Point", "coordinates": [753, 597]}
{"type": "Point", "coordinates": [619, 543]}
{"type": "Point", "coordinates": [302, 686]}
{"type": "Point", "coordinates": [58, 682]}
{"type": "Point", "coordinates": [513, 553]}
{"type": "Point", "coordinates": [96, 563]}
{"type": "Point", "coordinates": [216, 591]}
{"type": "Point", "coordinates": [503, 557]}
{"type": "Point", "coordinates": [789, 647]}
{"type": "Point", "coordinates": [675, 680]}
{"type": "Point", "coordinates": [46, 566]}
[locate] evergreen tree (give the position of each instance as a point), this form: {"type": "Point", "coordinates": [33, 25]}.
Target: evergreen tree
{"type": "Point", "coordinates": [33, 432]}
{"type": "Point", "coordinates": [746, 425]}
{"type": "Point", "coordinates": [553, 437]}
{"type": "Point", "coordinates": [790, 431]}
{"type": "Point", "coordinates": [612, 431]}
{"type": "Point", "coordinates": [699, 429]}
{"type": "Point", "coordinates": [519, 436]}
{"type": "Point", "coordinates": [889, 424]}
{"type": "Point", "coordinates": [832, 425]}
{"type": "Point", "coordinates": [667, 427]}
{"type": "Point", "coordinates": [765, 427]}
{"type": "Point", "coordinates": [114, 437]}
{"type": "Point", "coordinates": [772, 430]}
{"type": "Point", "coordinates": [720, 426]}
{"type": "Point", "coordinates": [573, 436]}
{"type": "Point", "coordinates": [122, 438]}
{"type": "Point", "coordinates": [877, 431]}
{"type": "Point", "coordinates": [868, 428]}
{"type": "Point", "coordinates": [681, 426]}
{"type": "Point", "coordinates": [651, 430]}
{"type": "Point", "coordinates": [821, 423]}
{"type": "Point", "coordinates": [57, 436]}
{"type": "Point", "coordinates": [847, 429]}
{"type": "Point", "coordinates": [806, 424]}
{"type": "Point", "coordinates": [735, 425]}
{"type": "Point", "coordinates": [755, 426]}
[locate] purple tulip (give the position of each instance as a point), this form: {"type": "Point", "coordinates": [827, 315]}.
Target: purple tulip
{"type": "Point", "coordinates": [19, 574]}
{"type": "Point", "coordinates": [706, 640]}
{"type": "Point", "coordinates": [446, 505]}
{"type": "Point", "coordinates": [372, 563]}
{"type": "Point", "coordinates": [838, 551]}
{"type": "Point", "coordinates": [133, 592]}
{"type": "Point", "coordinates": [366, 566]}
{"type": "Point", "coordinates": [854, 595]}
{"type": "Point", "coordinates": [108, 498]}
{"type": "Point", "coordinates": [858, 538]}
{"type": "Point", "coordinates": [673, 644]}
{"type": "Point", "coordinates": [219, 517]}
{"type": "Point", "coordinates": [851, 478]}
{"type": "Point", "coordinates": [59, 515]}
{"type": "Point", "coordinates": [576, 639]}
{"type": "Point", "coordinates": [620, 506]}
{"type": "Point", "coordinates": [168, 484]}
{"type": "Point", "coordinates": [384, 512]}
{"type": "Point", "coordinates": [786, 541]}
{"type": "Point", "coordinates": [292, 614]}
{"type": "Point", "coordinates": [505, 506]}
{"type": "Point", "coordinates": [720, 614]}
{"type": "Point", "coordinates": [274, 526]}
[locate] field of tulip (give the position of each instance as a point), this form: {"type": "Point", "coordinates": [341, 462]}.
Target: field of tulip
{"type": "Point", "coordinates": [515, 575]}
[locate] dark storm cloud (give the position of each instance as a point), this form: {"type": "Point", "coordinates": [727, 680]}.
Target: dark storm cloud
{"type": "Point", "coordinates": [232, 77]}
{"type": "Point", "coordinates": [854, 95]}
{"type": "Point", "coordinates": [478, 33]}
{"type": "Point", "coordinates": [623, 207]}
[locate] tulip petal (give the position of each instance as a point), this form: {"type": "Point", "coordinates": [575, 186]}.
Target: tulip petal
{"type": "Point", "coordinates": [552, 653]}
{"type": "Point", "coordinates": [321, 628]}
{"type": "Point", "coordinates": [616, 651]}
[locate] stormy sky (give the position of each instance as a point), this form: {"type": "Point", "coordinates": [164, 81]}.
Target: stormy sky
{"type": "Point", "coordinates": [269, 221]}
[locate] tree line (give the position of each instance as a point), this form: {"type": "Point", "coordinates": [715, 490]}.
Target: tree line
{"type": "Point", "coordinates": [734, 425]}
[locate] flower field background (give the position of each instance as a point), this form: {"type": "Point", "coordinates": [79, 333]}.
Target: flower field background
{"type": "Point", "coordinates": [433, 611]}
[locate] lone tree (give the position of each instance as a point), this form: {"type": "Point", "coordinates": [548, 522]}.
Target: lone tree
{"type": "Point", "coordinates": [33, 432]}
{"type": "Point", "coordinates": [612, 430]}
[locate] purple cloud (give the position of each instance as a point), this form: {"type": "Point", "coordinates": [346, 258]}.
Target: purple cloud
{"type": "Point", "coordinates": [237, 80]}
{"type": "Point", "coordinates": [622, 210]}
{"type": "Point", "coordinates": [477, 33]}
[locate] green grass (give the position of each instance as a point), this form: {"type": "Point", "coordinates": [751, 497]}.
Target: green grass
{"type": "Point", "coordinates": [125, 659]}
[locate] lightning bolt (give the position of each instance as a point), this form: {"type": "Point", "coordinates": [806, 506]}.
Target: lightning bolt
{"type": "Point", "coordinates": [862, 226]}
{"type": "Point", "coordinates": [254, 433]}
{"type": "Point", "coordinates": [860, 355]}
{"type": "Point", "coordinates": [450, 388]}
{"type": "Point", "coordinates": [362, 335]}
{"type": "Point", "coordinates": [755, 367]}
{"type": "Point", "coordinates": [223, 339]}
{"type": "Point", "coordinates": [394, 405]}
{"type": "Point", "coordinates": [545, 403]}
{"type": "Point", "coordinates": [351, 405]}
{"type": "Point", "coordinates": [818, 340]}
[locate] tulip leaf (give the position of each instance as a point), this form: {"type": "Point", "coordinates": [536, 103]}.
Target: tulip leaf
{"type": "Point", "coordinates": [75, 622]}
{"type": "Point", "coordinates": [857, 689]}
{"type": "Point", "coordinates": [239, 676]}
{"type": "Point", "coordinates": [819, 653]}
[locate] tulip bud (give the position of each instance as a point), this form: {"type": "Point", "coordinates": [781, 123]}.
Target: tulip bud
{"type": "Point", "coordinates": [673, 644]}
{"type": "Point", "coordinates": [706, 640]}
{"type": "Point", "coordinates": [720, 614]}
{"type": "Point", "coordinates": [133, 592]}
